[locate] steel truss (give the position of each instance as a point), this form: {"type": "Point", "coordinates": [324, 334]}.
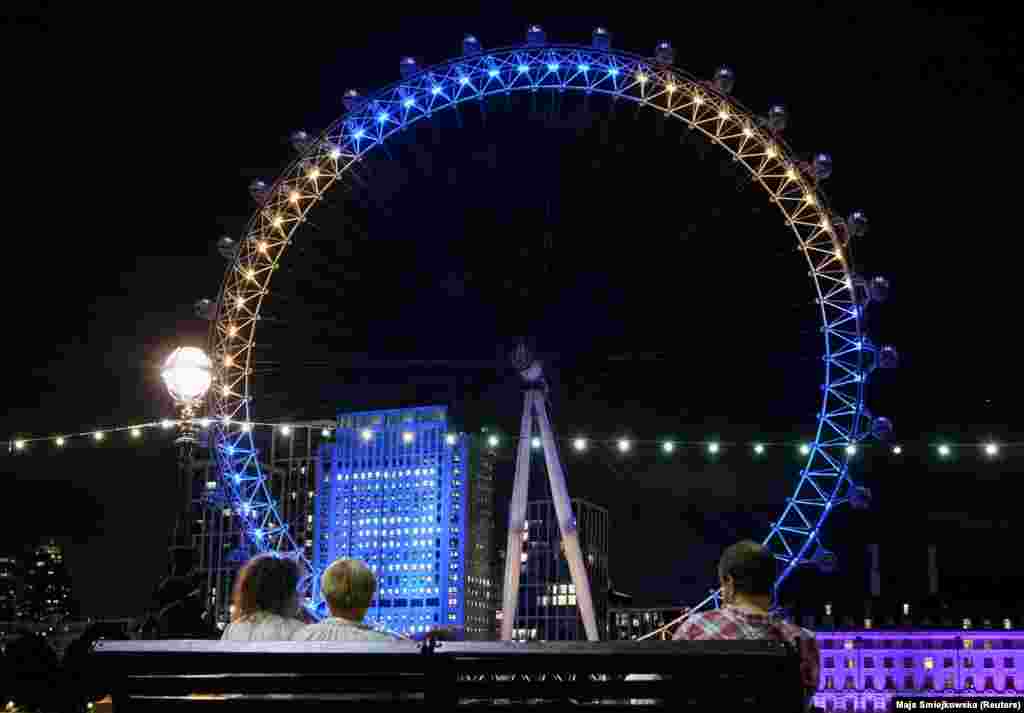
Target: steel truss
{"type": "Point", "coordinates": [825, 481]}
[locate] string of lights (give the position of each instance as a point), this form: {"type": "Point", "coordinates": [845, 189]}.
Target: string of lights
{"type": "Point", "coordinates": [576, 444]}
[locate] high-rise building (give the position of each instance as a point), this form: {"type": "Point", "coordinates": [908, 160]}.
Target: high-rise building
{"type": "Point", "coordinates": [401, 491]}
{"type": "Point", "coordinates": [10, 583]}
{"type": "Point", "coordinates": [547, 609]}
{"type": "Point", "coordinates": [47, 586]}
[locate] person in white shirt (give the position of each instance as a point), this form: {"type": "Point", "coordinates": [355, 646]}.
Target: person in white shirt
{"type": "Point", "coordinates": [348, 587]}
{"type": "Point", "coordinates": [265, 602]}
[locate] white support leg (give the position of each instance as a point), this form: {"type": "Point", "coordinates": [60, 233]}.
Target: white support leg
{"type": "Point", "coordinates": [517, 522]}
{"type": "Point", "coordinates": [566, 520]}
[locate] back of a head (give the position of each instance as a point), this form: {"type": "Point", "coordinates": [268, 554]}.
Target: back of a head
{"type": "Point", "coordinates": [348, 585]}
{"type": "Point", "coordinates": [267, 583]}
{"type": "Point", "coordinates": [751, 566]}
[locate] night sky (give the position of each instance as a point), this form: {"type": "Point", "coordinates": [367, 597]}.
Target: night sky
{"type": "Point", "coordinates": [665, 299]}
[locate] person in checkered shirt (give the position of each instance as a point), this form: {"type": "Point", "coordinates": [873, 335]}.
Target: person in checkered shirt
{"type": "Point", "coordinates": [746, 573]}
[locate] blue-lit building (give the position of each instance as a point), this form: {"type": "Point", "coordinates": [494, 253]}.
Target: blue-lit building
{"type": "Point", "coordinates": [401, 491]}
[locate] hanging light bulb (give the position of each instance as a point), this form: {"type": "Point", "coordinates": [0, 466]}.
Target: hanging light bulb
{"type": "Point", "coordinates": [326, 433]}
{"type": "Point", "coordinates": [580, 444]}
{"type": "Point", "coordinates": [59, 441]}
{"type": "Point", "coordinates": [19, 445]}
{"type": "Point", "coordinates": [286, 430]}
{"type": "Point", "coordinates": [136, 432]}
{"type": "Point", "coordinates": [535, 442]}
{"type": "Point", "coordinates": [991, 449]}
{"type": "Point", "coordinates": [624, 445]}
{"type": "Point", "coordinates": [804, 449]}
{"type": "Point", "coordinates": [713, 447]}
{"type": "Point", "coordinates": [492, 441]}
{"type": "Point", "coordinates": [668, 446]}
{"type": "Point", "coordinates": [166, 423]}
{"type": "Point", "coordinates": [98, 435]}
{"type": "Point", "coordinates": [851, 450]}
{"type": "Point", "coordinates": [944, 450]}
{"type": "Point", "coordinates": [366, 435]}
{"type": "Point", "coordinates": [897, 450]}
{"type": "Point", "coordinates": [758, 448]}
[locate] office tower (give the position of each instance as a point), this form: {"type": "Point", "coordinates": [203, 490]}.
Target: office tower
{"type": "Point", "coordinates": [47, 585]}
{"type": "Point", "coordinates": [400, 490]}
{"type": "Point", "coordinates": [10, 583]}
{"type": "Point", "coordinates": [547, 609]}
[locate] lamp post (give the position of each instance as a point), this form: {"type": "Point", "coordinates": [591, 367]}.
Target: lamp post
{"type": "Point", "coordinates": [187, 373]}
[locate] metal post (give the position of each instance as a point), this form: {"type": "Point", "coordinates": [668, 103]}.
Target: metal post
{"type": "Point", "coordinates": [566, 520]}
{"type": "Point", "coordinates": [517, 522]}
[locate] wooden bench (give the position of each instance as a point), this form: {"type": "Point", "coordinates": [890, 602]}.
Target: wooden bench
{"type": "Point", "coordinates": [281, 676]}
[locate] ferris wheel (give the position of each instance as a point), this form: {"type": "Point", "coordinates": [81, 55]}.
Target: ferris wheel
{"type": "Point", "coordinates": [754, 142]}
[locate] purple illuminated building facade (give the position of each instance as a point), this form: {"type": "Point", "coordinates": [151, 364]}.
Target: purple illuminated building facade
{"type": "Point", "coordinates": [862, 670]}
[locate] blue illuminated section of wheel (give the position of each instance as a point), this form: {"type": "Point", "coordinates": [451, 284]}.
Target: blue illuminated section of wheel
{"type": "Point", "coordinates": [756, 143]}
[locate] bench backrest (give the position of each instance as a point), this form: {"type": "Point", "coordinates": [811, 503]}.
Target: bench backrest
{"type": "Point", "coordinates": [712, 675]}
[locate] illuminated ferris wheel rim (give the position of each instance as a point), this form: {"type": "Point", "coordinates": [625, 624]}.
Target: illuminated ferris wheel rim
{"type": "Point", "coordinates": [705, 106]}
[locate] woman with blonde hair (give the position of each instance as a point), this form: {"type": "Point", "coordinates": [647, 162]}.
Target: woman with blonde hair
{"type": "Point", "coordinates": [266, 601]}
{"type": "Point", "coordinates": [348, 587]}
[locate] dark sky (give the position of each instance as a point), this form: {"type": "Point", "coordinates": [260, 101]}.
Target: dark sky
{"type": "Point", "coordinates": [594, 229]}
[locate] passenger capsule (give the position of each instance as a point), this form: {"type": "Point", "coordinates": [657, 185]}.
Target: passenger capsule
{"type": "Point", "coordinates": [227, 247]}
{"type": "Point", "coordinates": [725, 78]}
{"type": "Point", "coordinates": [602, 39]}
{"type": "Point", "coordinates": [664, 53]}
{"type": "Point", "coordinates": [259, 190]}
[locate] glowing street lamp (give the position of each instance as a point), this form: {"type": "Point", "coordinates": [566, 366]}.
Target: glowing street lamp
{"type": "Point", "coordinates": [188, 375]}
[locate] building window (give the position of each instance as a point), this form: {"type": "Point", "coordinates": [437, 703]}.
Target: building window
{"type": "Point", "coordinates": [869, 682]}
{"type": "Point", "coordinates": [908, 683]}
{"type": "Point", "coordinates": [869, 662]}
{"type": "Point", "coordinates": [949, 684]}
{"type": "Point", "coordinates": [947, 662]}
{"type": "Point", "coordinates": [850, 663]}
{"type": "Point", "coordinates": [848, 644]}
{"type": "Point", "coordinates": [989, 663]}
{"type": "Point", "coordinates": [969, 683]}
{"type": "Point", "coordinates": [968, 662]}
{"type": "Point", "coordinates": [908, 662]}
{"type": "Point", "coordinates": [888, 662]}
{"type": "Point", "coordinates": [968, 643]}
{"type": "Point", "coordinates": [1008, 662]}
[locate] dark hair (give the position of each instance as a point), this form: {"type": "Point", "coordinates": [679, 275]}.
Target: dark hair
{"type": "Point", "coordinates": [266, 583]}
{"type": "Point", "coordinates": [751, 566]}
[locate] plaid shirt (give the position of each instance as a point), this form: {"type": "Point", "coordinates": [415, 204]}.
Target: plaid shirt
{"type": "Point", "coordinates": [732, 623]}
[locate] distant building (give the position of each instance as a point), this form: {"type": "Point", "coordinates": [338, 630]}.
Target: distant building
{"type": "Point", "coordinates": [401, 491]}
{"type": "Point", "coordinates": [631, 623]}
{"type": "Point", "coordinates": [10, 584]}
{"type": "Point", "coordinates": [47, 584]}
{"type": "Point", "coordinates": [547, 608]}
{"type": "Point", "coordinates": [863, 669]}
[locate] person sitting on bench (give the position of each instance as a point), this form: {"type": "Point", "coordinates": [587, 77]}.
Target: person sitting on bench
{"type": "Point", "coordinates": [348, 587]}
{"type": "Point", "coordinates": [265, 601]}
{"type": "Point", "coordinates": [746, 573]}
